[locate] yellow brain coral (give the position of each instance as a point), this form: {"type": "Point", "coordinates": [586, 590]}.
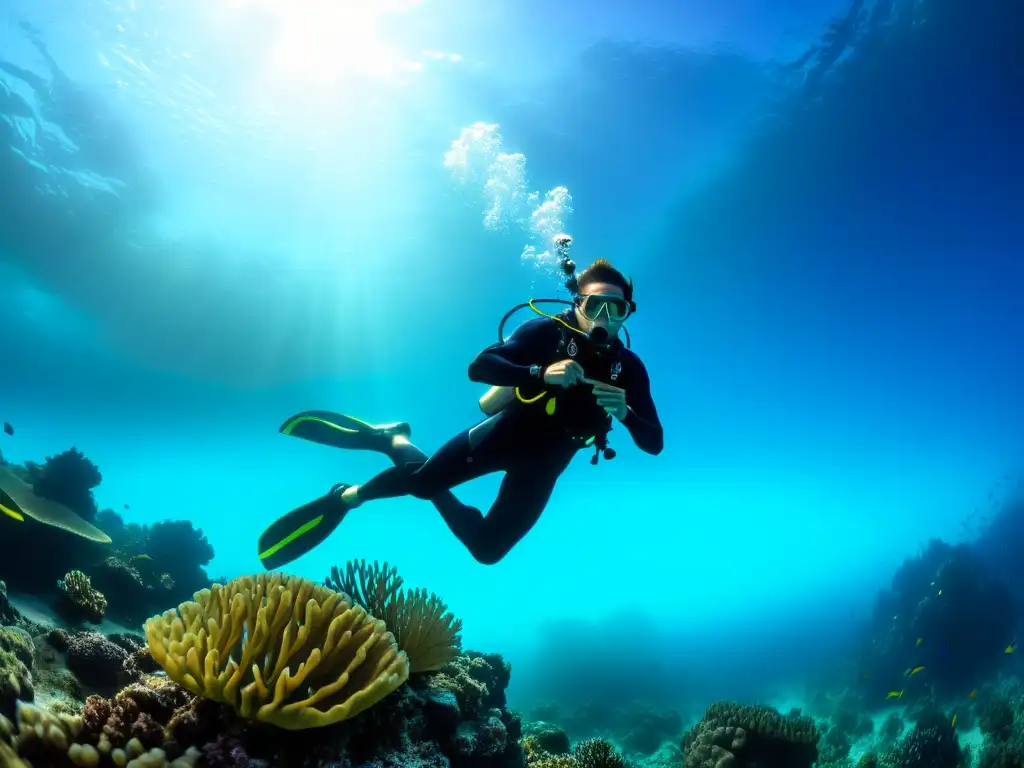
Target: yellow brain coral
{"type": "Point", "coordinates": [279, 649]}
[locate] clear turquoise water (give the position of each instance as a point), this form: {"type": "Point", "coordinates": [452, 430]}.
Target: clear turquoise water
{"type": "Point", "coordinates": [216, 214]}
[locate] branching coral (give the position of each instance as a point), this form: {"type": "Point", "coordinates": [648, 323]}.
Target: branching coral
{"type": "Point", "coordinates": [598, 753]}
{"type": "Point", "coordinates": [733, 735]}
{"type": "Point", "coordinates": [81, 594]}
{"type": "Point", "coordinates": [421, 622]}
{"type": "Point", "coordinates": [592, 753]}
{"type": "Point", "coordinates": [932, 744]}
{"type": "Point", "coordinates": [279, 649]}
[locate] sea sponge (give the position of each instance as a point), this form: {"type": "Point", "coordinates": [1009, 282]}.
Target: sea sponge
{"type": "Point", "coordinates": [420, 621]}
{"type": "Point", "coordinates": [239, 643]}
{"type": "Point", "coordinates": [81, 594]}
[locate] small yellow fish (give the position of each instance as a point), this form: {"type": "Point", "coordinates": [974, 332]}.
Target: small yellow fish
{"type": "Point", "coordinates": [919, 641]}
{"type": "Point", "coordinates": [1011, 647]}
{"type": "Point", "coordinates": [913, 671]}
{"type": "Point", "coordinates": [894, 695]}
{"type": "Point", "coordinates": [952, 723]}
{"type": "Point", "coordinates": [141, 557]}
{"type": "Point", "coordinates": [972, 694]}
{"type": "Point", "coordinates": [11, 513]}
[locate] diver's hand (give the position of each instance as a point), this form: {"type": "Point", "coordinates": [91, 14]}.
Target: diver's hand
{"type": "Point", "coordinates": [612, 399]}
{"type": "Point", "coordinates": [564, 373]}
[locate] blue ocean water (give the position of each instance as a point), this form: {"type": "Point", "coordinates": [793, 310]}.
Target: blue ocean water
{"type": "Point", "coordinates": [216, 214]}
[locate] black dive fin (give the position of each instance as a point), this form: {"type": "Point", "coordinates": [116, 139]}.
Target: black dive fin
{"type": "Point", "coordinates": [340, 431]}
{"type": "Point", "coordinates": [301, 530]}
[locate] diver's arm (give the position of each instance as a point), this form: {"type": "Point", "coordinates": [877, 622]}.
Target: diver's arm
{"type": "Point", "coordinates": [507, 364]}
{"type": "Point", "coordinates": [641, 416]}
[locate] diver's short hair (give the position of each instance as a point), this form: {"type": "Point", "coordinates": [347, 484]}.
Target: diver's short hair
{"type": "Point", "coordinates": [602, 271]}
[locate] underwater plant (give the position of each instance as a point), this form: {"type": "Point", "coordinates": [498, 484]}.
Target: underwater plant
{"type": "Point", "coordinates": [279, 649]}
{"type": "Point", "coordinates": [420, 622]}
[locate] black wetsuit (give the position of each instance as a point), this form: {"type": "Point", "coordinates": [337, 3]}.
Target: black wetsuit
{"type": "Point", "coordinates": [532, 443]}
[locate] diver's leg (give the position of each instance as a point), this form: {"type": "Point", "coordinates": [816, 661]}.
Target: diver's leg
{"type": "Point", "coordinates": [300, 530]}
{"type": "Point", "coordinates": [524, 493]}
{"type": "Point", "coordinates": [415, 474]}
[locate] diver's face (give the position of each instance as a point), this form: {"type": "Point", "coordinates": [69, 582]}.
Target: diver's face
{"type": "Point", "coordinates": [605, 316]}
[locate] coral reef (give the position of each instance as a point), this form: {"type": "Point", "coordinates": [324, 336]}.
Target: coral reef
{"type": "Point", "coordinates": [943, 613]}
{"type": "Point", "coordinates": [237, 643]}
{"type": "Point", "coordinates": [139, 569]}
{"type": "Point", "coordinates": [476, 680]}
{"type": "Point", "coordinates": [98, 662]}
{"type": "Point", "coordinates": [83, 599]}
{"type": "Point", "coordinates": [999, 544]}
{"type": "Point", "coordinates": [67, 478]}
{"type": "Point", "coordinates": [590, 753]}
{"type": "Point", "coordinates": [640, 727]}
{"type": "Point", "coordinates": [62, 741]}
{"type": "Point", "coordinates": [541, 736]}
{"type": "Point", "coordinates": [932, 743]}
{"type": "Point", "coordinates": [178, 550]}
{"type": "Point", "coordinates": [420, 621]}
{"type": "Point", "coordinates": [160, 723]}
{"type": "Point", "coordinates": [598, 753]}
{"type": "Point", "coordinates": [730, 736]}
{"type": "Point", "coordinates": [645, 727]}
{"type": "Point", "coordinates": [8, 613]}
{"type": "Point", "coordinates": [15, 682]}
{"type": "Point", "coordinates": [1002, 722]}
{"type": "Point", "coordinates": [17, 641]}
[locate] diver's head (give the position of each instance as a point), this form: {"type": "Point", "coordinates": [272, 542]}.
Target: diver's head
{"type": "Point", "coordinates": [604, 299]}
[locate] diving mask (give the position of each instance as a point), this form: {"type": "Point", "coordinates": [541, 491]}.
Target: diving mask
{"type": "Point", "coordinates": [615, 308]}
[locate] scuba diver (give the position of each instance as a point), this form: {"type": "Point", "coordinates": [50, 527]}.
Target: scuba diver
{"type": "Point", "coordinates": [557, 384]}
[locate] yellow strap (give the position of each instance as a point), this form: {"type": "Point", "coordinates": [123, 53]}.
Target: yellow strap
{"type": "Point", "coordinates": [557, 319]}
{"type": "Point", "coordinates": [530, 399]}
